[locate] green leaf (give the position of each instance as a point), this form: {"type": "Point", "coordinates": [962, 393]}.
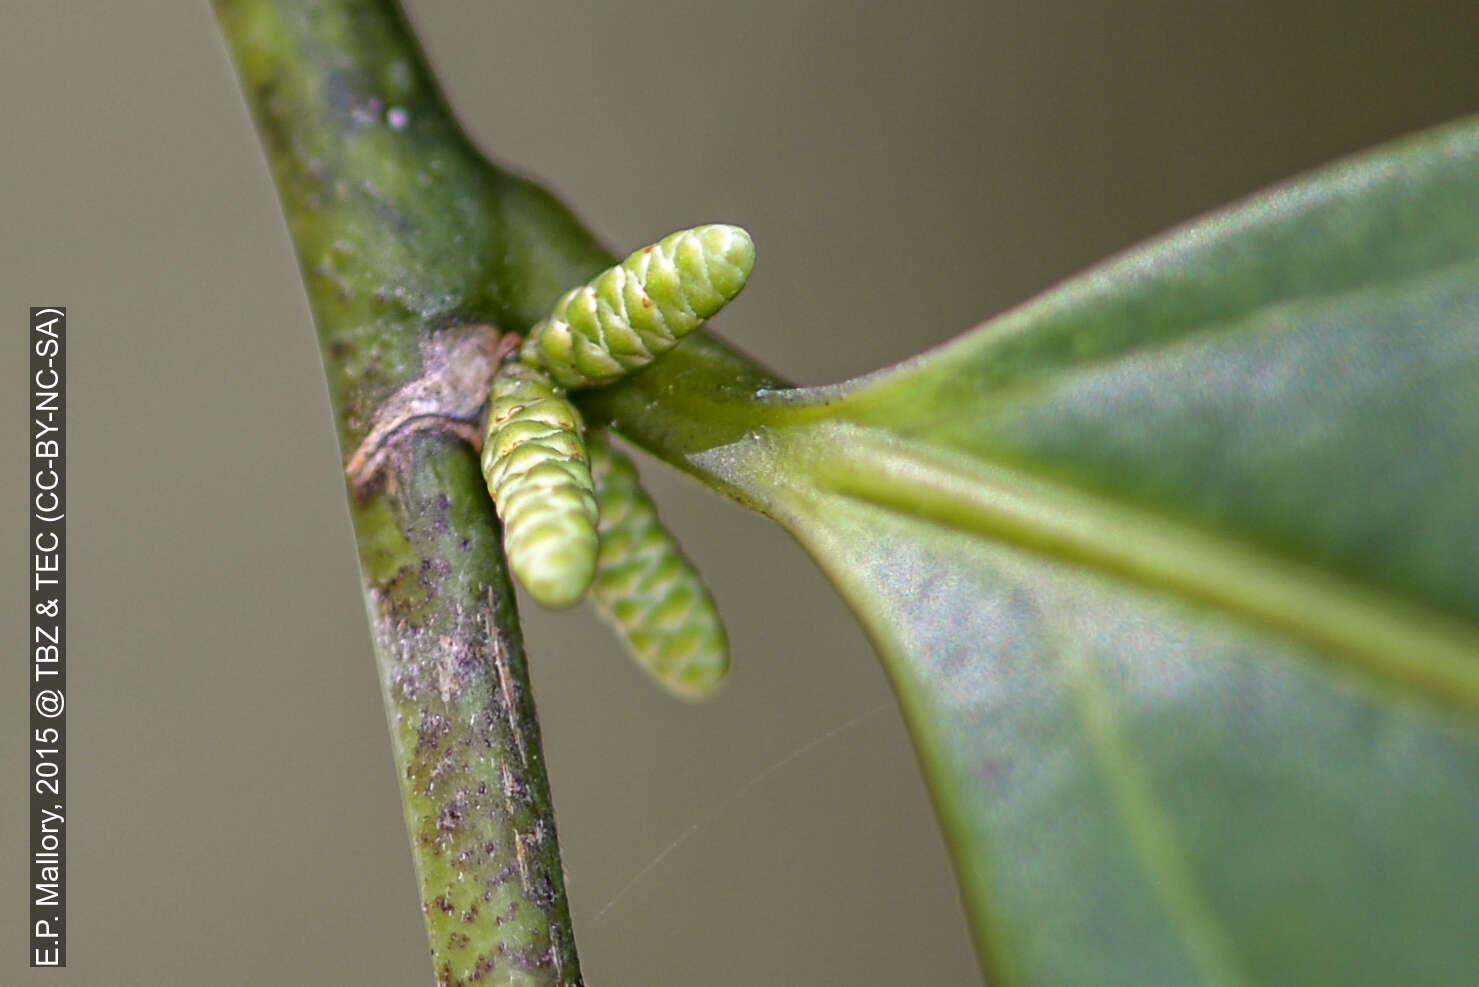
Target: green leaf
{"type": "Point", "coordinates": [1174, 570]}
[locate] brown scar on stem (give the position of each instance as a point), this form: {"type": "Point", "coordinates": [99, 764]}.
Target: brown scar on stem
{"type": "Point", "coordinates": [554, 952]}
{"type": "Point", "coordinates": [506, 687]}
{"type": "Point", "coordinates": [519, 840]}
{"type": "Point", "coordinates": [457, 373]}
{"type": "Point", "coordinates": [508, 789]}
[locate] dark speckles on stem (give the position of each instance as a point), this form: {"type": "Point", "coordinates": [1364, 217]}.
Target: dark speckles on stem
{"type": "Point", "coordinates": [542, 892]}
{"type": "Point", "coordinates": [399, 222]}
{"type": "Point", "coordinates": [441, 522]}
{"type": "Point", "coordinates": [432, 729]}
{"type": "Point", "coordinates": [380, 191]}
{"type": "Point", "coordinates": [444, 767]}
{"type": "Point", "coordinates": [453, 811]}
{"type": "Point", "coordinates": [434, 572]}
{"type": "Point", "coordinates": [342, 97]}
{"type": "Point", "coordinates": [483, 966]}
{"type": "Point", "coordinates": [514, 789]}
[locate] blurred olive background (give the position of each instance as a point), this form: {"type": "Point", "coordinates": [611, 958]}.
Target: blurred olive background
{"type": "Point", "coordinates": [907, 170]}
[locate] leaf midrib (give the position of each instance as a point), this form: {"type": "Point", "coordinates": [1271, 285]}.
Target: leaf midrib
{"type": "Point", "coordinates": [1426, 653]}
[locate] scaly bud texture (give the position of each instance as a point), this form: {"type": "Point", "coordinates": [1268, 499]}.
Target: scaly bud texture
{"type": "Point", "coordinates": [537, 470]}
{"type": "Point", "coordinates": [646, 590]}
{"type": "Point", "coordinates": [634, 312]}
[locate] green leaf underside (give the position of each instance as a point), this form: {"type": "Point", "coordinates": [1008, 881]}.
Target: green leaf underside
{"type": "Point", "coordinates": [1174, 571]}
{"type": "Point", "coordinates": [1172, 567]}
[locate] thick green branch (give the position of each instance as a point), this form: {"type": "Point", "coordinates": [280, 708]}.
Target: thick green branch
{"type": "Point", "coordinates": [402, 230]}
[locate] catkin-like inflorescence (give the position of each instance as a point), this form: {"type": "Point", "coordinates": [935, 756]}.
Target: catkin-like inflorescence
{"type": "Point", "coordinates": [632, 313]}
{"type": "Point", "coordinates": [538, 473]}
{"type": "Point", "coordinates": [646, 590]}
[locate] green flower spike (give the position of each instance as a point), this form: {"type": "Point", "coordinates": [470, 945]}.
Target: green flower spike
{"type": "Point", "coordinates": [538, 473]}
{"type": "Point", "coordinates": [646, 590]}
{"type": "Point", "coordinates": [632, 313]}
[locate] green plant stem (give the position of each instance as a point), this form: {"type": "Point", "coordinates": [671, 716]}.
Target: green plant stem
{"type": "Point", "coordinates": [402, 229]}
